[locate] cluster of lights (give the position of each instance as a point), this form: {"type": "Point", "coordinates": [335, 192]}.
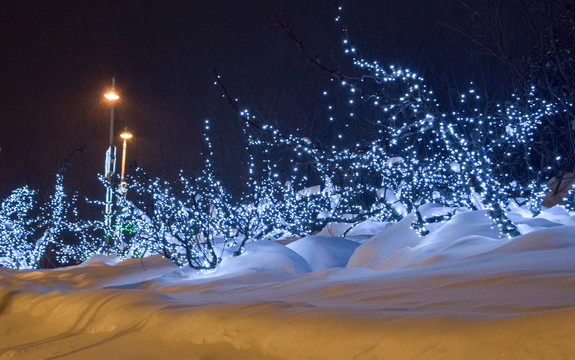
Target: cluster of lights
{"type": "Point", "coordinates": [410, 147]}
{"type": "Point", "coordinates": [394, 149]}
{"type": "Point", "coordinates": [30, 231]}
{"type": "Point", "coordinates": [16, 230]}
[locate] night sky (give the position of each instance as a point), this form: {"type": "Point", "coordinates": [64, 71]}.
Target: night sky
{"type": "Point", "coordinates": [57, 58]}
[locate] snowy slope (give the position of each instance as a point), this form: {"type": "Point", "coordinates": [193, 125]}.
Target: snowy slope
{"type": "Point", "coordinates": [461, 292]}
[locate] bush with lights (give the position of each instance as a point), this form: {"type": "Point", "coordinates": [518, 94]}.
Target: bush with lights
{"type": "Point", "coordinates": [49, 234]}
{"type": "Point", "coordinates": [397, 148]}
{"type": "Point", "coordinates": [394, 148]}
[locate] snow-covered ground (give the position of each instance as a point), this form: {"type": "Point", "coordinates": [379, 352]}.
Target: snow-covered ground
{"type": "Point", "coordinates": [382, 293]}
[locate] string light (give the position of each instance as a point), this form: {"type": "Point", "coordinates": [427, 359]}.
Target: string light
{"type": "Point", "coordinates": [399, 149]}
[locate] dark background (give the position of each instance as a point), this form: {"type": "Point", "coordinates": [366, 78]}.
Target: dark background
{"type": "Point", "coordinates": [57, 58]}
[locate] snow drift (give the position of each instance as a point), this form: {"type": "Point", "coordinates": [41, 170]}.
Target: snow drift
{"type": "Point", "coordinates": [460, 292]}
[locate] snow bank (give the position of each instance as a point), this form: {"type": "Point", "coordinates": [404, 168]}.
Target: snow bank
{"type": "Point", "coordinates": [549, 217]}
{"type": "Point", "coordinates": [264, 257]}
{"type": "Point", "coordinates": [324, 252]}
{"type": "Point", "coordinates": [461, 292]}
{"type": "Point", "coordinates": [385, 243]}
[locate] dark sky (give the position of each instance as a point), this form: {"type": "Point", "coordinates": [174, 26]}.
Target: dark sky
{"type": "Point", "coordinates": [57, 59]}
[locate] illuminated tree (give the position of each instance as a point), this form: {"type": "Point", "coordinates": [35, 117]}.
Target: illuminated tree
{"type": "Point", "coordinates": [535, 42]}
{"type": "Point", "coordinates": [185, 221]}
{"type": "Point", "coordinates": [41, 235]}
{"type": "Point", "coordinates": [17, 229]}
{"type": "Point", "coordinates": [390, 148]}
{"type": "Point", "coordinates": [395, 147]}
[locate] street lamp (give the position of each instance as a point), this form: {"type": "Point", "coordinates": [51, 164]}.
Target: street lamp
{"type": "Point", "coordinates": [126, 136]}
{"type": "Point", "coordinates": [110, 165]}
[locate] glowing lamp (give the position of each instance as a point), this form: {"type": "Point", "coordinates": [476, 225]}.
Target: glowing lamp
{"type": "Point", "coordinates": [126, 135]}
{"type": "Point", "coordinates": [112, 96]}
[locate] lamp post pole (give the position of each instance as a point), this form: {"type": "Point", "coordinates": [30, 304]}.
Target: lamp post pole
{"type": "Point", "coordinates": [126, 136]}
{"type": "Point", "coordinates": [110, 165]}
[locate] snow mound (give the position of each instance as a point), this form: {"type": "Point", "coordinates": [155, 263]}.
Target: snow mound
{"type": "Point", "coordinates": [463, 224]}
{"type": "Point", "coordinates": [324, 252]}
{"type": "Point", "coordinates": [541, 240]}
{"type": "Point", "coordinates": [367, 228]}
{"type": "Point", "coordinates": [387, 250]}
{"type": "Point", "coordinates": [548, 218]}
{"type": "Point", "coordinates": [264, 257]}
{"type": "Point", "coordinates": [385, 243]}
{"type": "Point", "coordinates": [101, 259]}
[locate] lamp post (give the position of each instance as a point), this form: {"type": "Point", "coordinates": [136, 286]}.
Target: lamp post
{"type": "Point", "coordinates": [126, 136]}
{"type": "Point", "coordinates": [110, 165]}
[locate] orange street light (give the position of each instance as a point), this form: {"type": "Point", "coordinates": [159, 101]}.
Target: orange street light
{"type": "Point", "coordinates": [112, 96]}
{"type": "Point", "coordinates": [126, 135]}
